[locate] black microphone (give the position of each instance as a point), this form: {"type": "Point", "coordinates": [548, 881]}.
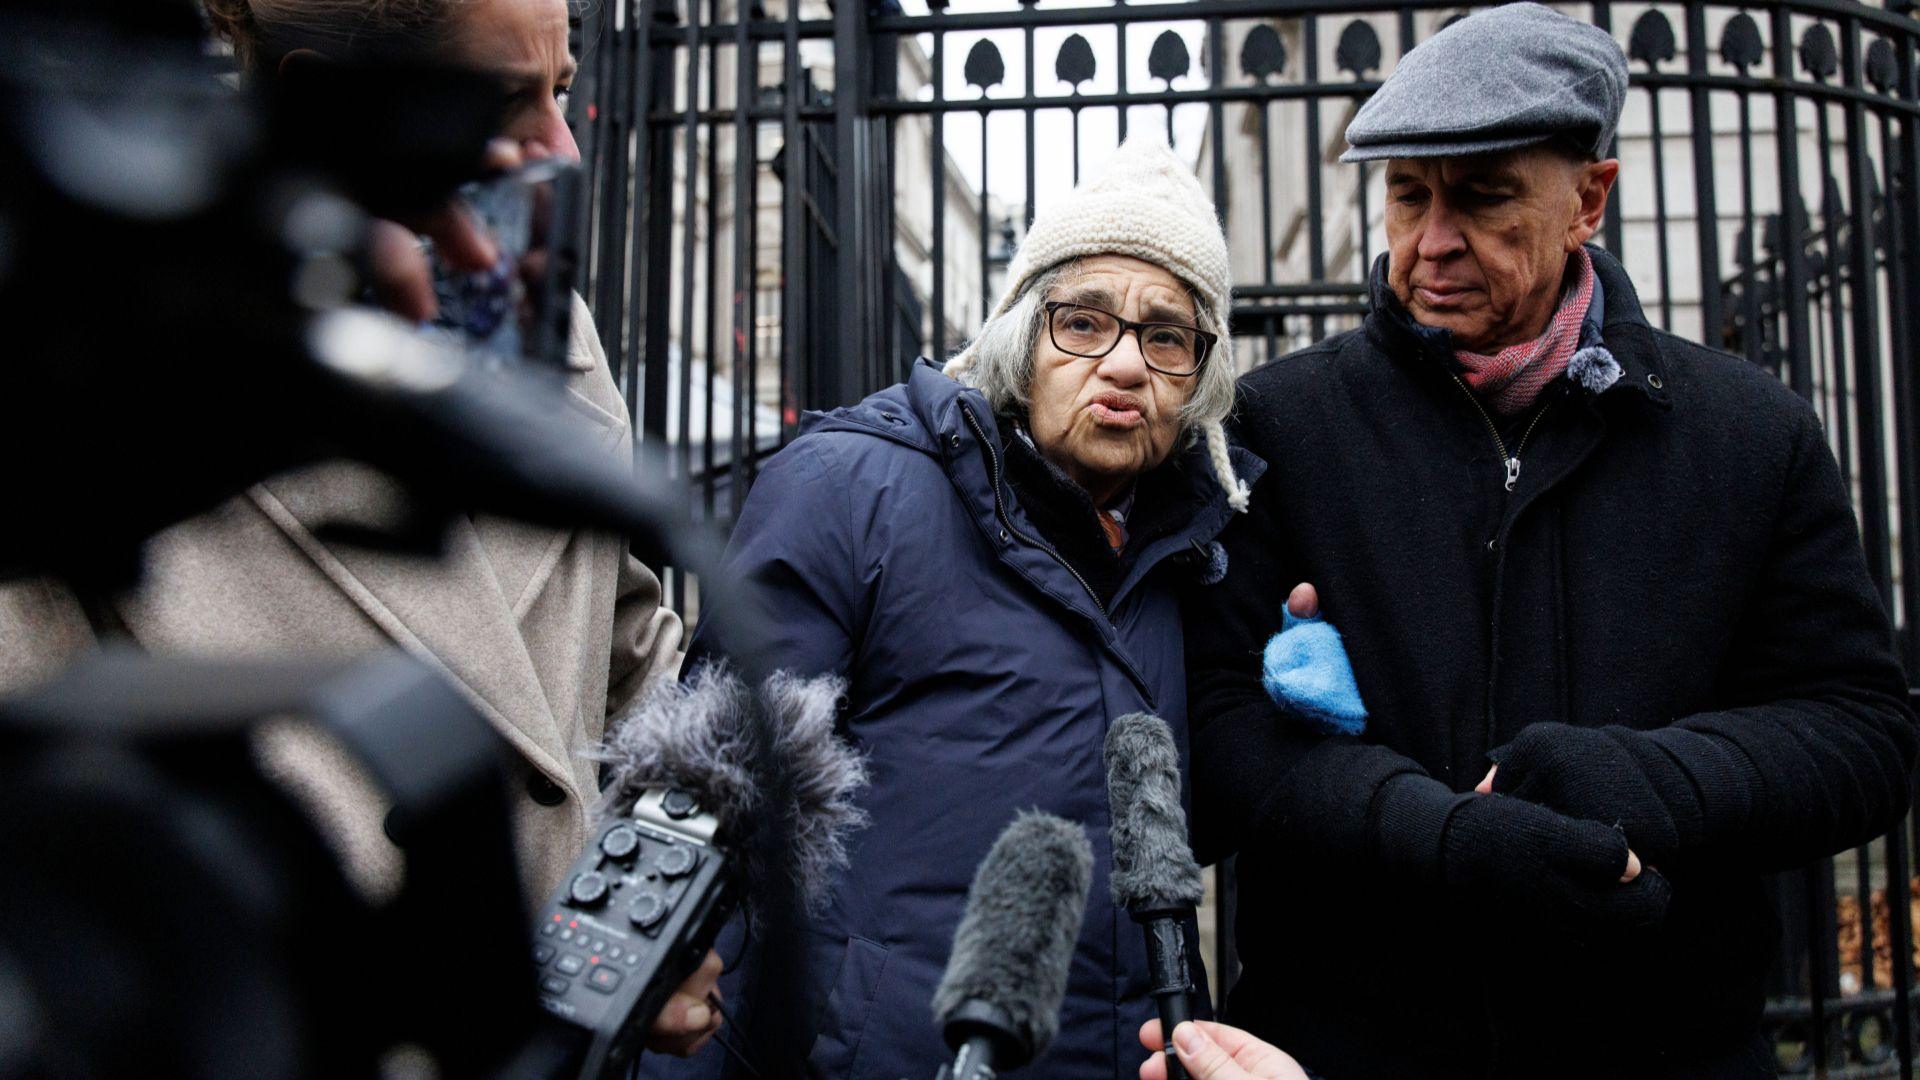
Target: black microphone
{"type": "Point", "coordinates": [695, 774]}
{"type": "Point", "coordinates": [1155, 876]}
{"type": "Point", "coordinates": [999, 1001]}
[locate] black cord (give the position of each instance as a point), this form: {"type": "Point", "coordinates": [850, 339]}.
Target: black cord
{"type": "Point", "coordinates": [719, 1036]}
{"type": "Point", "coordinates": [727, 967]}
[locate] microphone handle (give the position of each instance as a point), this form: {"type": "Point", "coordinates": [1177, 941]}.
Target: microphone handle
{"type": "Point", "coordinates": [974, 1061]}
{"type": "Point", "coordinates": [1172, 985]}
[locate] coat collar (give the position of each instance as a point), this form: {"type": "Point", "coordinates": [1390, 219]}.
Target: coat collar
{"type": "Point", "coordinates": [462, 612]}
{"type": "Point", "coordinates": [448, 611]}
{"type": "Point", "coordinates": [1629, 336]}
{"type": "Point", "coordinates": [913, 413]}
{"type": "Point", "coordinates": [1623, 329]}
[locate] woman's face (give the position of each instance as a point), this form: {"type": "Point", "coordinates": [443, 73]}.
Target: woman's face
{"type": "Point", "coordinates": [1105, 421]}
{"type": "Point", "coordinates": [525, 41]}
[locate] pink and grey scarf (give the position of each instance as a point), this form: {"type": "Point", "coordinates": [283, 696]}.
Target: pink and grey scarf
{"type": "Point", "coordinates": [1511, 380]}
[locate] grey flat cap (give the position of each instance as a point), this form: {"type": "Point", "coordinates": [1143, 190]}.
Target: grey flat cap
{"type": "Point", "coordinates": [1503, 78]}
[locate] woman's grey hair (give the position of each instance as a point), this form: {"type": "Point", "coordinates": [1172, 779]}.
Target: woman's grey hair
{"type": "Point", "coordinates": [1002, 361]}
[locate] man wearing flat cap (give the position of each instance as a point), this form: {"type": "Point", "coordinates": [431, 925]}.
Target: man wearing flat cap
{"type": "Point", "coordinates": [1605, 602]}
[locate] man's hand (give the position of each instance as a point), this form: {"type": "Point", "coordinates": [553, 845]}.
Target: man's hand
{"type": "Point", "coordinates": [1581, 874]}
{"type": "Point", "coordinates": [686, 1022]}
{"type": "Point", "coordinates": [1304, 601]}
{"type": "Point", "coordinates": [1485, 787]}
{"type": "Point", "coordinates": [1605, 774]}
{"type": "Point", "coordinates": [1213, 1051]}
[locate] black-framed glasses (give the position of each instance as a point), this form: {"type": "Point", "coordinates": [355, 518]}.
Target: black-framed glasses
{"type": "Point", "coordinates": [1168, 348]}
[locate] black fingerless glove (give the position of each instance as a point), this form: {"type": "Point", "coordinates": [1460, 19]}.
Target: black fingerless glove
{"type": "Point", "coordinates": [1524, 861]}
{"type": "Point", "coordinates": [1657, 786]}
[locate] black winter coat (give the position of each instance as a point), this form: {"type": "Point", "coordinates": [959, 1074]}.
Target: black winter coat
{"type": "Point", "coordinates": [1672, 598]}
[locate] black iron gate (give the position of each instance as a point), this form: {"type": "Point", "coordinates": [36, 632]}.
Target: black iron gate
{"type": "Point", "coordinates": [791, 201]}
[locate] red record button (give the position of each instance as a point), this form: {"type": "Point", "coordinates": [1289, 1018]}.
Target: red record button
{"type": "Point", "coordinates": [604, 979]}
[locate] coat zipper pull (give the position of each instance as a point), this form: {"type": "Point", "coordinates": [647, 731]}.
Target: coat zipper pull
{"type": "Point", "coordinates": [1513, 472]}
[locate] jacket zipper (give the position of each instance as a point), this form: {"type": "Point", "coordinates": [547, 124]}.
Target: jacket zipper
{"type": "Point", "coordinates": [1513, 479]}
{"type": "Point", "coordinates": [1000, 509]}
{"type": "Point", "coordinates": [1512, 461]}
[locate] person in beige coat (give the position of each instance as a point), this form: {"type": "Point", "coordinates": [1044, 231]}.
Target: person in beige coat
{"type": "Point", "coordinates": [550, 634]}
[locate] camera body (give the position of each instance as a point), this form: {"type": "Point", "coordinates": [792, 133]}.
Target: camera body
{"type": "Point", "coordinates": [637, 913]}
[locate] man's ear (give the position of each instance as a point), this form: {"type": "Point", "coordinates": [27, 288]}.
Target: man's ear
{"type": "Point", "coordinates": [298, 62]}
{"type": "Point", "coordinates": [1593, 182]}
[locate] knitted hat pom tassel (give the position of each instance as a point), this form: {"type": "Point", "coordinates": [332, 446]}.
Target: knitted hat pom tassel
{"type": "Point", "coordinates": [1236, 488]}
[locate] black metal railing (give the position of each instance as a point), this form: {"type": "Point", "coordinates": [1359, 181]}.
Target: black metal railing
{"type": "Point", "coordinates": [786, 209]}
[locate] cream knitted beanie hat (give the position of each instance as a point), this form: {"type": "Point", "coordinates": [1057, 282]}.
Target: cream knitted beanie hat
{"type": "Point", "coordinates": [1147, 204]}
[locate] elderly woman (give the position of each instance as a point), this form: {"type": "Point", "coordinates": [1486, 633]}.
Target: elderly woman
{"type": "Point", "coordinates": [992, 563]}
{"type": "Point", "coordinates": [549, 633]}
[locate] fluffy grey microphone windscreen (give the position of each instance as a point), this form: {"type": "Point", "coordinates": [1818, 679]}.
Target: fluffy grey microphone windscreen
{"type": "Point", "coordinates": [826, 775]}
{"type": "Point", "coordinates": [698, 735]}
{"type": "Point", "coordinates": [1015, 942]}
{"type": "Point", "coordinates": [695, 735]}
{"type": "Point", "coordinates": [1153, 864]}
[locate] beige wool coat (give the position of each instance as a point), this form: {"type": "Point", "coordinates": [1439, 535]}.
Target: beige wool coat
{"type": "Point", "coordinates": [547, 632]}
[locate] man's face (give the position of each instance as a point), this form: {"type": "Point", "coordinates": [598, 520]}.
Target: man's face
{"type": "Point", "coordinates": [526, 42]}
{"type": "Point", "coordinates": [1105, 421]}
{"type": "Point", "coordinates": [1478, 245]}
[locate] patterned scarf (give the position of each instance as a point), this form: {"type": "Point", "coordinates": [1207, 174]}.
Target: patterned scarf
{"type": "Point", "coordinates": [1511, 380]}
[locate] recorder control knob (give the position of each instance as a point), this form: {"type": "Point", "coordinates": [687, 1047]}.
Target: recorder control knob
{"type": "Point", "coordinates": [620, 842]}
{"type": "Point", "coordinates": [679, 804]}
{"type": "Point", "coordinates": [647, 910]}
{"type": "Point", "coordinates": [676, 861]}
{"type": "Point", "coordinates": [588, 889]}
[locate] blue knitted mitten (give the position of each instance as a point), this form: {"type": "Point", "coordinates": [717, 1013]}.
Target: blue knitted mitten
{"type": "Point", "coordinates": [1305, 671]}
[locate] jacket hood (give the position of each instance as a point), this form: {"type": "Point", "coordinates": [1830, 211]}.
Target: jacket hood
{"type": "Point", "coordinates": [911, 413]}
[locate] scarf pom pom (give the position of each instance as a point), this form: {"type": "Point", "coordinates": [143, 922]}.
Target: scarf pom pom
{"type": "Point", "coordinates": [1215, 571]}
{"type": "Point", "coordinates": [1594, 368]}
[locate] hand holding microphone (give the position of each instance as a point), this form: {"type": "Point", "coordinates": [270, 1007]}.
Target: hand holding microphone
{"type": "Point", "coordinates": [688, 1020]}
{"type": "Point", "coordinates": [1154, 876]}
{"type": "Point", "coordinates": [1212, 1051]}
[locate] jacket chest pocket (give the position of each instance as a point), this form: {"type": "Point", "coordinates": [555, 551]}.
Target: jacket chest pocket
{"type": "Point", "coordinates": [850, 1001]}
